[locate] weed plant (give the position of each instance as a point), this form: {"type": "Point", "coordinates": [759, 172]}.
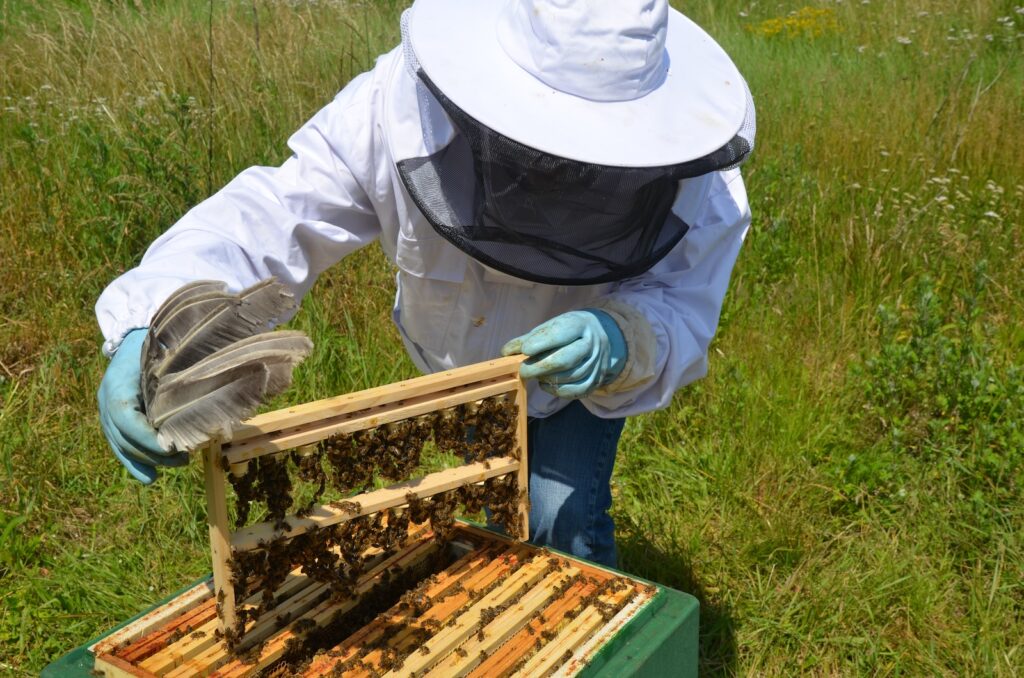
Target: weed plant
{"type": "Point", "coordinates": [843, 492]}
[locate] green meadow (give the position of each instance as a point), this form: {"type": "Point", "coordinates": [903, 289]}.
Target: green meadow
{"type": "Point", "coordinates": [844, 492]}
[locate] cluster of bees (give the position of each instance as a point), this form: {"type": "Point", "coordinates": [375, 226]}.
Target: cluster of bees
{"type": "Point", "coordinates": [398, 640]}
{"type": "Point", "coordinates": [347, 463]}
{"type": "Point", "coordinates": [334, 555]}
{"type": "Point", "coordinates": [331, 555]}
{"type": "Point", "coordinates": [593, 599]}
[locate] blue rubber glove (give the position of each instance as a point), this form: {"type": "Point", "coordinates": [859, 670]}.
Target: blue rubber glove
{"type": "Point", "coordinates": [573, 354]}
{"type": "Point", "coordinates": [125, 426]}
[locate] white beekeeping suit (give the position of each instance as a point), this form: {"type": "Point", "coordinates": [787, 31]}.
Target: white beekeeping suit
{"type": "Point", "coordinates": [342, 189]}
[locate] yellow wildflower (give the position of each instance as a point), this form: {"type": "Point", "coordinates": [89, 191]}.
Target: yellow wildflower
{"type": "Point", "coordinates": [808, 22]}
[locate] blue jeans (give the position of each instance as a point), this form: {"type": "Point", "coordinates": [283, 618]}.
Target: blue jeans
{"type": "Point", "coordinates": [572, 454]}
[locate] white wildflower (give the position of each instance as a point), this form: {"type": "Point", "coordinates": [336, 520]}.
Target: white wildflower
{"type": "Point", "coordinates": [903, 40]}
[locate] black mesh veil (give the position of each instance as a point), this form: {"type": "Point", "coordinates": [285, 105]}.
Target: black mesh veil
{"type": "Point", "coordinates": [548, 219]}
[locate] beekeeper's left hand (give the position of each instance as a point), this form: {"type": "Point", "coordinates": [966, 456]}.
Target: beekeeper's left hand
{"type": "Point", "coordinates": [125, 426]}
{"type": "Point", "coordinates": [573, 354]}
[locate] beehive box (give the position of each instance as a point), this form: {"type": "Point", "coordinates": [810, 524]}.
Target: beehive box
{"type": "Point", "coordinates": [478, 605]}
{"type": "Point", "coordinates": [386, 582]}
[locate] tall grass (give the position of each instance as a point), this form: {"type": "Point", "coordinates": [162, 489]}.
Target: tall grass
{"type": "Point", "coordinates": [843, 492]}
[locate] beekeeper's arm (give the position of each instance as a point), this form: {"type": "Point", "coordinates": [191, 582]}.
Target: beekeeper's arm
{"type": "Point", "coordinates": [292, 221]}
{"type": "Point", "coordinates": [633, 349]}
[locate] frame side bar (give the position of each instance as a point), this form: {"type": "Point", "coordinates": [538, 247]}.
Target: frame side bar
{"type": "Point", "coordinates": [220, 534]}
{"type": "Point", "coordinates": [523, 477]}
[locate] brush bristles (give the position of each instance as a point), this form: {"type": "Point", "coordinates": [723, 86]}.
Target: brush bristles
{"type": "Point", "coordinates": [209, 360]}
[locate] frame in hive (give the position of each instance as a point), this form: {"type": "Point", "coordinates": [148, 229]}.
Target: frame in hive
{"type": "Point", "coordinates": [358, 432]}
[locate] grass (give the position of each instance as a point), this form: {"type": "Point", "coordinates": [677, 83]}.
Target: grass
{"type": "Point", "coordinates": [843, 491]}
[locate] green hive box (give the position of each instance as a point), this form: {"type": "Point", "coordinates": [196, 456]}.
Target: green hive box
{"type": "Point", "coordinates": [660, 640]}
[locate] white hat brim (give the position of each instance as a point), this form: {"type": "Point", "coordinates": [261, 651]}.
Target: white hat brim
{"type": "Point", "coordinates": [698, 108]}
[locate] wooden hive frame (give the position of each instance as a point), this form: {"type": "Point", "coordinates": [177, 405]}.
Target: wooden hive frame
{"type": "Point", "coordinates": [310, 423]}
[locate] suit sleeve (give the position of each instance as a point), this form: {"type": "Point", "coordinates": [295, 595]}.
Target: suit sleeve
{"type": "Point", "coordinates": [669, 314]}
{"type": "Point", "coordinates": [292, 221]}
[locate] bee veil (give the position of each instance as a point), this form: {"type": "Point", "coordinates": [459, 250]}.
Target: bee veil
{"type": "Point", "coordinates": [573, 127]}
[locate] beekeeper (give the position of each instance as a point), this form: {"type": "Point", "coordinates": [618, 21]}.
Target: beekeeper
{"type": "Point", "coordinates": [551, 178]}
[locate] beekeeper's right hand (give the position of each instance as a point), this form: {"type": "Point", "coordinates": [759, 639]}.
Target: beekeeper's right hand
{"type": "Point", "coordinates": [121, 414]}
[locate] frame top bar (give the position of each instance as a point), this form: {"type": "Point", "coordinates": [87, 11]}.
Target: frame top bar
{"type": "Point", "coordinates": [317, 410]}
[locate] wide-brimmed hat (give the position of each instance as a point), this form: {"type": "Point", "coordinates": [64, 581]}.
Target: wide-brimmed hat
{"type": "Point", "coordinates": [626, 83]}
